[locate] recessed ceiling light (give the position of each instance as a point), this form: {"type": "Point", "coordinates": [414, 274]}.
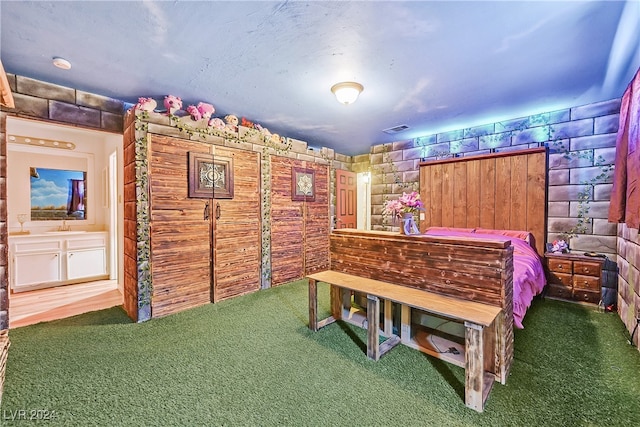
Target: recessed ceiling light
{"type": "Point", "coordinates": [61, 63]}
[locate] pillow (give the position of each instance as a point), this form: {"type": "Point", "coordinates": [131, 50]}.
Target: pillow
{"type": "Point", "coordinates": [522, 235]}
{"type": "Point", "coordinates": [461, 230]}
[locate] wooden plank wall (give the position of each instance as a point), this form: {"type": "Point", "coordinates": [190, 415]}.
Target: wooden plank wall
{"type": "Point", "coordinates": [130, 285]}
{"type": "Point", "coordinates": [505, 191]}
{"type": "Point", "coordinates": [299, 230]}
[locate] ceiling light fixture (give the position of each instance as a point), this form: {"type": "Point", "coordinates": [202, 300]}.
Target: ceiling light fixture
{"type": "Point", "coordinates": [42, 142]}
{"type": "Point", "coordinates": [347, 92]}
{"type": "Point", "coordinates": [61, 63]}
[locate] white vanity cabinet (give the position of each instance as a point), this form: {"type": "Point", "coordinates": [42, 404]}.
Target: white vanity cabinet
{"type": "Point", "coordinates": [53, 259]}
{"type": "Point", "coordinates": [86, 257]}
{"type": "Point", "coordinates": [36, 262]}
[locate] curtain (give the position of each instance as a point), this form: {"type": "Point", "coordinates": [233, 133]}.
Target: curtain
{"type": "Point", "coordinates": [76, 196]}
{"type": "Point", "coordinates": [625, 194]}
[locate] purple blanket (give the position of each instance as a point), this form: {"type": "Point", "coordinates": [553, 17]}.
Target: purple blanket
{"type": "Point", "coordinates": [528, 274]}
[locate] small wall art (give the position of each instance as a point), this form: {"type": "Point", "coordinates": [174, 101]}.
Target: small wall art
{"type": "Point", "coordinates": [210, 176]}
{"type": "Point", "coordinates": [303, 184]}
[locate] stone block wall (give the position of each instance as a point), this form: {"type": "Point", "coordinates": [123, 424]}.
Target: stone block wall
{"type": "Point", "coordinates": [629, 279]}
{"type": "Point", "coordinates": [581, 143]}
{"type": "Point", "coordinates": [46, 101]}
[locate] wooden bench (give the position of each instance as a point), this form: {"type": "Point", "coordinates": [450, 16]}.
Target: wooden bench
{"type": "Point", "coordinates": [479, 322]}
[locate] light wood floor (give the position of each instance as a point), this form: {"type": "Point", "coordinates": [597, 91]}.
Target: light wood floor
{"type": "Point", "coordinates": [43, 305]}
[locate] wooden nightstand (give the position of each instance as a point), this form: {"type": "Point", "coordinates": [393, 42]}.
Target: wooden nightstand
{"type": "Point", "coordinates": [574, 277]}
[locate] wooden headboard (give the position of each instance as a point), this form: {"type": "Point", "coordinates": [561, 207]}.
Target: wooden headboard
{"type": "Point", "coordinates": [502, 191]}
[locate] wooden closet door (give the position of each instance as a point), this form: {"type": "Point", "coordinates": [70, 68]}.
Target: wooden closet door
{"type": "Point", "coordinates": [180, 236]}
{"type": "Point", "coordinates": [287, 225]}
{"type": "Point", "coordinates": [317, 223]}
{"type": "Point", "coordinates": [299, 229]}
{"type": "Point", "coordinates": [237, 229]}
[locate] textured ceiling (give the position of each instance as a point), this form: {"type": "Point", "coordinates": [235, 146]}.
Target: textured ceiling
{"type": "Point", "coordinates": [431, 65]}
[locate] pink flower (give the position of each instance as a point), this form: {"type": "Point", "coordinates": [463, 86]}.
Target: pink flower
{"type": "Point", "coordinates": [407, 203]}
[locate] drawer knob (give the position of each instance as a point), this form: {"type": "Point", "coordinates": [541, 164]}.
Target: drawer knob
{"type": "Point", "coordinates": [560, 267]}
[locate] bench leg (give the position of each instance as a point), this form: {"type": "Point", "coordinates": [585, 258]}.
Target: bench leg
{"type": "Point", "coordinates": [314, 323]}
{"type": "Point", "coordinates": [388, 318]}
{"type": "Point", "coordinates": [477, 384]}
{"type": "Point", "coordinates": [313, 305]}
{"type": "Point", "coordinates": [337, 300]}
{"type": "Point", "coordinates": [373, 337]}
{"type": "Point", "coordinates": [405, 324]}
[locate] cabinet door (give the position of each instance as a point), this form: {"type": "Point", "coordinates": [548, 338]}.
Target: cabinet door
{"type": "Point", "coordinates": [86, 263]}
{"type": "Point", "coordinates": [35, 268]}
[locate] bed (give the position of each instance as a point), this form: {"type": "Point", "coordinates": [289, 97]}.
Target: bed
{"type": "Point", "coordinates": [528, 272]}
{"type": "Point", "coordinates": [488, 196]}
{"type": "Point", "coordinates": [478, 197]}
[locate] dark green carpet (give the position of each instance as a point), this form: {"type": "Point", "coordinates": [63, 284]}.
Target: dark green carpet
{"type": "Point", "coordinates": [251, 361]}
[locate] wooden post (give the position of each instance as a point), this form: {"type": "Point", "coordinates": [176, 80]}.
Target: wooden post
{"type": "Point", "coordinates": [388, 317]}
{"type": "Point", "coordinates": [474, 366]}
{"type": "Point", "coordinates": [313, 305]}
{"type": "Point", "coordinates": [373, 337]}
{"type": "Point", "coordinates": [337, 296]}
{"type": "Point", "coordinates": [405, 324]}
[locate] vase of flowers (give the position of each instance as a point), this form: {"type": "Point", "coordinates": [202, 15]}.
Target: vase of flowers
{"type": "Point", "coordinates": [560, 246]}
{"type": "Point", "coordinates": [404, 208]}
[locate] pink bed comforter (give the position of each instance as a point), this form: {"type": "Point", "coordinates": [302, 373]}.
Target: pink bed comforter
{"type": "Point", "coordinates": [528, 274]}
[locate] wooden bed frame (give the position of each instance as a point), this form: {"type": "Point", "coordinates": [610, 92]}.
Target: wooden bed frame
{"type": "Point", "coordinates": [477, 270]}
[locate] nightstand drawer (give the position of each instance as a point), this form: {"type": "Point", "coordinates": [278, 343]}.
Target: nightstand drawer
{"type": "Point", "coordinates": [586, 283]}
{"type": "Point", "coordinates": [586, 296]}
{"type": "Point", "coordinates": [559, 291]}
{"type": "Point", "coordinates": [587, 268]}
{"type": "Point", "coordinates": [560, 265]}
{"type": "Point", "coordinates": [560, 279]}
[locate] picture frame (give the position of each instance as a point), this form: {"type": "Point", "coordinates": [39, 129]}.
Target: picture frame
{"type": "Point", "coordinates": [210, 177]}
{"type": "Point", "coordinates": [303, 184]}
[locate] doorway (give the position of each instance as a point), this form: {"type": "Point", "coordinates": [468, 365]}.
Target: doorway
{"type": "Point", "coordinates": [346, 203]}
{"type": "Point", "coordinates": [56, 146]}
{"type": "Point", "coordinates": [364, 200]}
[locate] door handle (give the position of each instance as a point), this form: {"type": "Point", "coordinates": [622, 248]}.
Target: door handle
{"type": "Point", "coordinates": [217, 210]}
{"type": "Point", "coordinates": [206, 211]}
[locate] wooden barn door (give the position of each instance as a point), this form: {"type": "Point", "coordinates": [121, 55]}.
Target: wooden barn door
{"type": "Point", "coordinates": [299, 229]}
{"type": "Point", "coordinates": [202, 249]}
{"type": "Point", "coordinates": [346, 204]}
{"type": "Point", "coordinates": [180, 237]}
{"type": "Point", "coordinates": [237, 229]}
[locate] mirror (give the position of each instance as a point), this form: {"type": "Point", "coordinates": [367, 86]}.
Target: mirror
{"type": "Point", "coordinates": [58, 194]}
